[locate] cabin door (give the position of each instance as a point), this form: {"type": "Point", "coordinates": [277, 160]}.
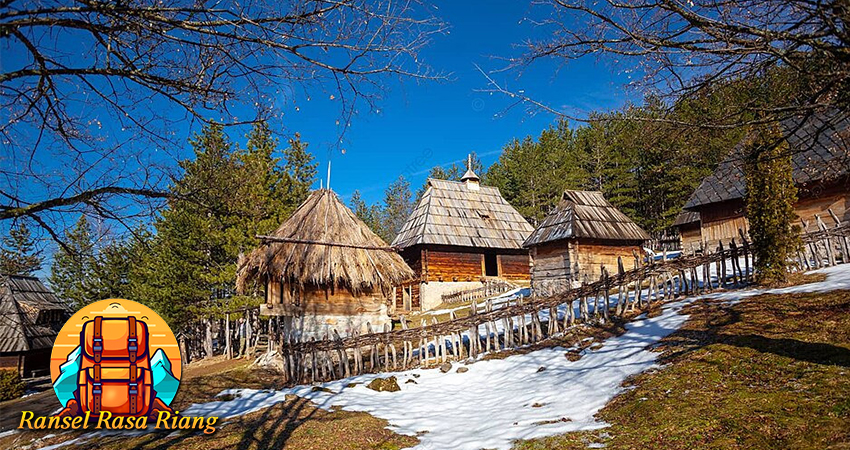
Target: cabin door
{"type": "Point", "coordinates": [491, 265]}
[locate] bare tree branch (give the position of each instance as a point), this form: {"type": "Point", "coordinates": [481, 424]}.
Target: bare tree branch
{"type": "Point", "coordinates": [94, 94]}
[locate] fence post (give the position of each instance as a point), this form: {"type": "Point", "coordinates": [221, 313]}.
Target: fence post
{"type": "Point", "coordinates": [736, 268]}
{"type": "Point", "coordinates": [746, 246]}
{"type": "Point", "coordinates": [606, 302]}
{"type": "Point", "coordinates": [845, 246]}
{"type": "Point", "coordinates": [827, 240]}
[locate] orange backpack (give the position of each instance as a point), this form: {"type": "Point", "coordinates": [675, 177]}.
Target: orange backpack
{"type": "Point", "coordinates": [115, 373]}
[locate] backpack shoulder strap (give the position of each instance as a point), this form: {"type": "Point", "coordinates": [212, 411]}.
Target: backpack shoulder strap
{"type": "Point", "coordinates": [98, 353]}
{"type": "Point", "coordinates": [132, 349]}
{"type": "Point", "coordinates": [132, 340]}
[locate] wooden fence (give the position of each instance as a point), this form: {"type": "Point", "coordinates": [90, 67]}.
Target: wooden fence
{"type": "Point", "coordinates": [824, 246]}
{"type": "Point", "coordinates": [520, 324]}
{"type": "Point", "coordinates": [458, 338]}
{"type": "Point", "coordinates": [383, 350]}
{"type": "Point", "coordinates": [488, 289]}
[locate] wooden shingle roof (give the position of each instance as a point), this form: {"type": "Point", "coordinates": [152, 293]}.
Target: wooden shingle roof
{"type": "Point", "coordinates": [23, 300]}
{"type": "Point", "coordinates": [463, 214]}
{"type": "Point", "coordinates": [586, 214]}
{"type": "Point", "coordinates": [820, 154]}
{"type": "Point", "coordinates": [686, 217]}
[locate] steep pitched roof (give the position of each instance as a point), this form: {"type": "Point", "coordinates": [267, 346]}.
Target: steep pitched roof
{"type": "Point", "coordinates": [357, 258]}
{"type": "Point", "coordinates": [23, 300]}
{"type": "Point", "coordinates": [460, 214]}
{"type": "Point", "coordinates": [820, 153]}
{"type": "Point", "coordinates": [586, 214]}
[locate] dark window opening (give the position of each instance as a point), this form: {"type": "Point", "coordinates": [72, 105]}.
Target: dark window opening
{"type": "Point", "coordinates": [491, 266]}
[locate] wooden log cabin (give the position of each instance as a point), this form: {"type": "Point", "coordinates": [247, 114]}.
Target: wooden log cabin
{"type": "Point", "coordinates": [459, 236]}
{"type": "Point", "coordinates": [581, 235]}
{"type": "Point", "coordinates": [687, 223]}
{"type": "Point", "coordinates": [32, 316]}
{"type": "Point", "coordinates": [323, 270]}
{"type": "Point", "coordinates": [821, 171]}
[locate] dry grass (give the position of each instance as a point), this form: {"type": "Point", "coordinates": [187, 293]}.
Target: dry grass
{"type": "Point", "coordinates": [771, 372]}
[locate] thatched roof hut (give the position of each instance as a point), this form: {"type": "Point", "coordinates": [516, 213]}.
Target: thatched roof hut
{"type": "Point", "coordinates": [324, 261]}
{"type": "Point", "coordinates": [584, 233]}
{"type": "Point", "coordinates": [30, 318]}
{"type": "Point", "coordinates": [325, 244]}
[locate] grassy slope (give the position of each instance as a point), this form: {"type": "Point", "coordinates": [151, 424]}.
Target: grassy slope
{"type": "Point", "coordinates": [770, 372]}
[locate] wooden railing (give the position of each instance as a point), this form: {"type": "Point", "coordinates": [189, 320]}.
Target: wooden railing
{"type": "Point", "coordinates": [488, 289]}
{"type": "Point", "coordinates": [458, 338]}
{"type": "Point", "coordinates": [612, 295]}
{"type": "Point", "coordinates": [826, 245]}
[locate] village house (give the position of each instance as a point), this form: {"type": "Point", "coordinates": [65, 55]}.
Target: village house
{"type": "Point", "coordinates": [459, 236]}
{"type": "Point", "coordinates": [687, 223]}
{"type": "Point", "coordinates": [581, 235]}
{"type": "Point", "coordinates": [323, 269]}
{"type": "Point", "coordinates": [821, 171]}
{"type": "Point", "coordinates": [30, 318]}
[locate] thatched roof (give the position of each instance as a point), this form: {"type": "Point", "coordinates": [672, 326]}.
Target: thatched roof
{"type": "Point", "coordinates": [586, 214]}
{"type": "Point", "coordinates": [356, 258]}
{"type": "Point", "coordinates": [24, 326]}
{"type": "Point", "coordinates": [820, 154]}
{"type": "Point", "coordinates": [463, 214]}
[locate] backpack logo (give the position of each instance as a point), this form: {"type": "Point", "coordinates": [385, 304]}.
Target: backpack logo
{"type": "Point", "coordinates": [115, 356]}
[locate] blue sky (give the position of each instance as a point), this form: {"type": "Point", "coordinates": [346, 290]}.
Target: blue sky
{"type": "Point", "coordinates": [419, 125]}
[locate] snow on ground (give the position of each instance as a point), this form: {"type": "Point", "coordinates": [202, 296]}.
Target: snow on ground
{"type": "Point", "coordinates": [838, 277]}
{"type": "Point", "coordinates": [499, 401]}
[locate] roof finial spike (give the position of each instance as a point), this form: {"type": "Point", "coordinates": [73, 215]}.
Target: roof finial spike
{"type": "Point", "coordinates": [328, 184]}
{"type": "Point", "coordinates": [470, 178]}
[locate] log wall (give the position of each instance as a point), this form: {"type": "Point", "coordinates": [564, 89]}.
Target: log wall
{"type": "Point", "coordinates": [12, 362]}
{"type": "Point", "coordinates": [515, 267]}
{"type": "Point", "coordinates": [453, 266]}
{"type": "Point", "coordinates": [317, 310]}
{"type": "Point", "coordinates": [721, 221]}
{"type": "Point", "coordinates": [690, 235]}
{"type": "Point", "coordinates": [838, 202]}
{"type": "Point", "coordinates": [551, 270]}
{"type": "Point", "coordinates": [591, 256]}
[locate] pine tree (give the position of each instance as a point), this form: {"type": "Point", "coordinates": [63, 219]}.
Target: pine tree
{"type": "Point", "coordinates": [398, 204]}
{"type": "Point", "coordinates": [113, 264]}
{"type": "Point", "coordinates": [178, 276]}
{"type": "Point", "coordinates": [770, 199]}
{"type": "Point", "coordinates": [18, 254]}
{"type": "Point", "coordinates": [227, 196]}
{"type": "Point", "coordinates": [72, 272]}
{"type": "Point", "coordinates": [300, 168]}
{"type": "Point", "coordinates": [369, 214]}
